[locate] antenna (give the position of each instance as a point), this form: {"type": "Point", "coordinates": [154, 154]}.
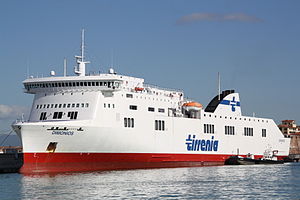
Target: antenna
{"type": "Point", "coordinates": [219, 86]}
{"type": "Point", "coordinates": [82, 45]}
{"type": "Point", "coordinates": [112, 58]}
{"type": "Point", "coordinates": [80, 68]}
{"type": "Point", "coordinates": [27, 72]}
{"type": "Point", "coordinates": [65, 67]}
{"type": "Point", "coordinates": [27, 65]}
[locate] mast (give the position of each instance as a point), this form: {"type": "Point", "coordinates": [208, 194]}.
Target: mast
{"type": "Point", "coordinates": [80, 68]}
{"type": "Point", "coordinates": [82, 45]}
{"type": "Point", "coordinates": [219, 86]}
{"type": "Point", "coordinates": [65, 67]}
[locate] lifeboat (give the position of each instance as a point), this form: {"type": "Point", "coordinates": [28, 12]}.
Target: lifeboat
{"type": "Point", "coordinates": [138, 89]}
{"type": "Point", "coordinates": [192, 106]}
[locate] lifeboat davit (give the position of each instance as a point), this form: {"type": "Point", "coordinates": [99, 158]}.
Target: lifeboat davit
{"type": "Point", "coordinates": [192, 106]}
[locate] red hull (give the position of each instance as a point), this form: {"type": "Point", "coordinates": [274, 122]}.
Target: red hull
{"type": "Point", "coordinates": [35, 163]}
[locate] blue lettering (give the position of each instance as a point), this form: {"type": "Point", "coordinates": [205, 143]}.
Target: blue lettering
{"type": "Point", "coordinates": [193, 144]}
{"type": "Point", "coordinates": [189, 143]}
{"type": "Point", "coordinates": [203, 145]}
{"type": "Point", "coordinates": [208, 145]}
{"type": "Point", "coordinates": [216, 143]}
{"type": "Point", "coordinates": [62, 132]}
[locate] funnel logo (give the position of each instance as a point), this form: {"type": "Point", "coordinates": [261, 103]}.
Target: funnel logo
{"type": "Point", "coordinates": [233, 103]}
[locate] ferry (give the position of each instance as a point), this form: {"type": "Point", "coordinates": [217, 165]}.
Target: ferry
{"type": "Point", "coordinates": [109, 121]}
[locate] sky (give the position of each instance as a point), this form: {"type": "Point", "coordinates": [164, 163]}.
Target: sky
{"type": "Point", "coordinates": [178, 44]}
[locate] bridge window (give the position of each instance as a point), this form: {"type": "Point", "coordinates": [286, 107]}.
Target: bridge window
{"type": "Point", "coordinates": [73, 114]}
{"type": "Point", "coordinates": [43, 116]}
{"type": "Point", "coordinates": [57, 115]}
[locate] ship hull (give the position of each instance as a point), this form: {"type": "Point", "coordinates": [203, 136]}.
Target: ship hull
{"type": "Point", "coordinates": [39, 163]}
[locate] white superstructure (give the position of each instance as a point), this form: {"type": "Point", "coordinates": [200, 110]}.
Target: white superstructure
{"type": "Point", "coordinates": [111, 121]}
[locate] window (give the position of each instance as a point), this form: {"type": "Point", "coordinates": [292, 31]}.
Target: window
{"type": "Point", "coordinates": [264, 132]}
{"type": "Point", "coordinates": [129, 122]}
{"type": "Point", "coordinates": [248, 131]}
{"type": "Point", "coordinates": [159, 125]}
{"type": "Point", "coordinates": [129, 95]}
{"type": "Point", "coordinates": [209, 128]}
{"type": "Point", "coordinates": [229, 130]}
{"type": "Point", "coordinates": [151, 109]}
{"type": "Point", "coordinates": [73, 114]}
{"type": "Point", "coordinates": [161, 110]}
{"type": "Point", "coordinates": [57, 115]}
{"type": "Point", "coordinates": [43, 116]}
{"type": "Point", "coordinates": [133, 107]}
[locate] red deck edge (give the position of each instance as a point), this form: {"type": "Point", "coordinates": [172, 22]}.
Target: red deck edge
{"type": "Point", "coordinates": [37, 163]}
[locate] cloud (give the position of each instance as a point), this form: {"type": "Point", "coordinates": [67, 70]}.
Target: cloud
{"type": "Point", "coordinates": [12, 111]}
{"type": "Point", "coordinates": [196, 17]}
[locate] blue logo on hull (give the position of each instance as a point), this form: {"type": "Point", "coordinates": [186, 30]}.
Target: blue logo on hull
{"type": "Point", "coordinates": [193, 144]}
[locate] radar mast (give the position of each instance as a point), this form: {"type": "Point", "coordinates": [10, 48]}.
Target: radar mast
{"type": "Point", "coordinates": [80, 68]}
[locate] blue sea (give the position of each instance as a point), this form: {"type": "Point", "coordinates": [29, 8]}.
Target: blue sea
{"type": "Point", "coordinates": [222, 182]}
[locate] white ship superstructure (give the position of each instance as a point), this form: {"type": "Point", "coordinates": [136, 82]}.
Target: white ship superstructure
{"type": "Point", "coordinates": [111, 121]}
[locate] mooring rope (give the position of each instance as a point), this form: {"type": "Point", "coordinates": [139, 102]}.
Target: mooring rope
{"type": "Point", "coordinates": [6, 137]}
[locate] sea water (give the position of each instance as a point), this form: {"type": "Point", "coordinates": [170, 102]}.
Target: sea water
{"type": "Point", "coordinates": [280, 181]}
